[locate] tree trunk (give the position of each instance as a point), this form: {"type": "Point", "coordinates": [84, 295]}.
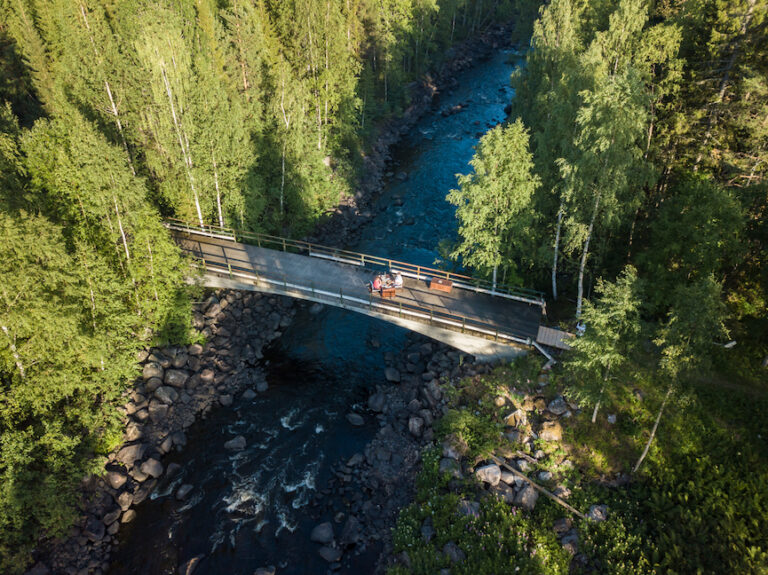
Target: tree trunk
{"type": "Point", "coordinates": [602, 390]}
{"type": "Point", "coordinates": [557, 247]}
{"type": "Point", "coordinates": [584, 255]}
{"type": "Point", "coordinates": [184, 150]}
{"type": "Point", "coordinates": [282, 181]}
{"type": "Point", "coordinates": [495, 269]}
{"type": "Point", "coordinates": [653, 431]}
{"type": "Point", "coordinates": [12, 345]}
{"type": "Point", "coordinates": [218, 192]}
{"type": "Point", "coordinates": [122, 232]}
{"type": "Point", "coordinates": [152, 269]}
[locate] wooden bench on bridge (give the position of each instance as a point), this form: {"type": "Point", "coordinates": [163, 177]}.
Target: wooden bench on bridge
{"type": "Point", "coordinates": [441, 284]}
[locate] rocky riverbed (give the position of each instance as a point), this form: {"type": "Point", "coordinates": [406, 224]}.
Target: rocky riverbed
{"type": "Point", "coordinates": [178, 385]}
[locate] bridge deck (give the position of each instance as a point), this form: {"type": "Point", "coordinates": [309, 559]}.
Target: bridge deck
{"type": "Point", "coordinates": [517, 318]}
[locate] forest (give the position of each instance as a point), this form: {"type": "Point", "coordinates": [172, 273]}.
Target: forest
{"type": "Point", "coordinates": [629, 183]}
{"type": "Point", "coordinates": [114, 114]}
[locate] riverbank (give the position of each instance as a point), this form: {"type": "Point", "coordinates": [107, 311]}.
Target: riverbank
{"type": "Point", "coordinates": [343, 226]}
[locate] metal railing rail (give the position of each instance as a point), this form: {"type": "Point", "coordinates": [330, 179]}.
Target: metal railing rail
{"type": "Point", "coordinates": [359, 259]}
{"type": "Point", "coordinates": [231, 268]}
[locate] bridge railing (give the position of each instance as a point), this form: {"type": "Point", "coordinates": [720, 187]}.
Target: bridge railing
{"type": "Point", "coordinates": [241, 270]}
{"type": "Point", "coordinates": [417, 272]}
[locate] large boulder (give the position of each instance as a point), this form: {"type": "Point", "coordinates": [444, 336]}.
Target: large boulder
{"type": "Point", "coordinates": [330, 554]}
{"type": "Point", "coordinates": [112, 516]}
{"type": "Point", "coordinates": [116, 479]}
{"type": "Point", "coordinates": [551, 431]}
{"type": "Point", "coordinates": [376, 402]}
{"type": "Point", "coordinates": [351, 532]}
{"type": "Point", "coordinates": [236, 444]}
{"type": "Point", "coordinates": [416, 426]}
{"type": "Point", "coordinates": [134, 432]}
{"type": "Point", "coordinates": [322, 533]}
{"type": "Point", "coordinates": [355, 419]}
{"type": "Point", "coordinates": [468, 508]}
{"type": "Point", "coordinates": [157, 410]}
{"type": "Point", "coordinates": [526, 497]}
{"type": "Point", "coordinates": [94, 529]}
{"type": "Point", "coordinates": [176, 377]}
{"type": "Point", "coordinates": [557, 406]}
{"type": "Point", "coordinates": [166, 394]}
{"type": "Point", "coordinates": [489, 474]}
{"type": "Point", "coordinates": [598, 512]}
{"type": "Point", "coordinates": [152, 369]}
{"type": "Point", "coordinates": [130, 453]}
{"type": "Point", "coordinates": [392, 375]}
{"type": "Point", "coordinates": [152, 467]}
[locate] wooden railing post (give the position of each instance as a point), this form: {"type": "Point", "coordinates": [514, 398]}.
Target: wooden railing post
{"type": "Point", "coordinates": [341, 296]}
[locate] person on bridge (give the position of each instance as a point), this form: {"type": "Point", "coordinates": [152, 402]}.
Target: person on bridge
{"type": "Point", "coordinates": [376, 284]}
{"type": "Point", "coordinates": [398, 280]}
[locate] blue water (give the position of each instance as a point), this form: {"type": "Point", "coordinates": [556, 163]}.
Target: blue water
{"type": "Point", "coordinates": [251, 509]}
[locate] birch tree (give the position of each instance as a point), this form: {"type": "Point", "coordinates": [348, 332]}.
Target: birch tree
{"type": "Point", "coordinates": [494, 203]}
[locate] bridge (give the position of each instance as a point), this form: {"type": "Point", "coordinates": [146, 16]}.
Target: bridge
{"type": "Point", "coordinates": [489, 322]}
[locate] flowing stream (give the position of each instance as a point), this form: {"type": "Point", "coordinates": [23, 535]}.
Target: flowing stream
{"type": "Point", "coordinates": [246, 509]}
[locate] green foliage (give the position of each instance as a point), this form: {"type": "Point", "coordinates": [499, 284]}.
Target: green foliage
{"type": "Point", "coordinates": [493, 203]}
{"type": "Point", "coordinates": [502, 538]}
{"type": "Point", "coordinates": [480, 432]}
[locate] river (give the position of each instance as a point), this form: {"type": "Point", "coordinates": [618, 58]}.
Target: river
{"type": "Point", "coordinates": [250, 509]}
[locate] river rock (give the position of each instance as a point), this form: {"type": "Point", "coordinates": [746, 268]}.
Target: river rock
{"type": "Point", "coordinates": [392, 375]}
{"type": "Point", "coordinates": [94, 529]}
{"type": "Point", "coordinates": [226, 400]}
{"type": "Point", "coordinates": [134, 432]}
{"type": "Point", "coordinates": [152, 369]}
{"type": "Point", "coordinates": [526, 497]}
{"type": "Point", "coordinates": [416, 426]}
{"type": "Point", "coordinates": [152, 384]}
{"type": "Point", "coordinates": [570, 542]}
{"type": "Point", "coordinates": [508, 477]}
{"type": "Point", "coordinates": [376, 402]}
{"type": "Point", "coordinates": [125, 500]}
{"type": "Point", "coordinates": [39, 569]}
{"type": "Point", "coordinates": [112, 516]}
{"type": "Point", "coordinates": [152, 467]}
{"type": "Point", "coordinates": [248, 395]}
{"type": "Point", "coordinates": [236, 444]}
{"type": "Point", "coordinates": [545, 476]}
{"type": "Point", "coordinates": [157, 410]}
{"type": "Point", "coordinates": [131, 453]}
{"type": "Point", "coordinates": [489, 474]}
{"type": "Point", "coordinates": [551, 431]}
{"type": "Point", "coordinates": [190, 566]}
{"type": "Point", "coordinates": [166, 394]}
{"type": "Point", "coordinates": [355, 419]}
{"type": "Point", "coordinates": [262, 385]}
{"type": "Point", "coordinates": [128, 516]}
{"type": "Point", "coordinates": [176, 377]}
{"type": "Point", "coordinates": [330, 554]}
{"type": "Point", "coordinates": [598, 512]}
{"type": "Point", "coordinates": [179, 439]}
{"type": "Point", "coordinates": [351, 532]}
{"type": "Point", "coordinates": [195, 349]}
{"type": "Point", "coordinates": [183, 491]}
{"type": "Point", "coordinates": [207, 375]}
{"type": "Point", "coordinates": [180, 360]}
{"type": "Point", "coordinates": [557, 406]}
{"type": "Point", "coordinates": [166, 444]}
{"type": "Point", "coordinates": [265, 570]}
{"type": "Point", "coordinates": [355, 460]}
{"type": "Point", "coordinates": [322, 533]}
{"type": "Point", "coordinates": [116, 479]}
